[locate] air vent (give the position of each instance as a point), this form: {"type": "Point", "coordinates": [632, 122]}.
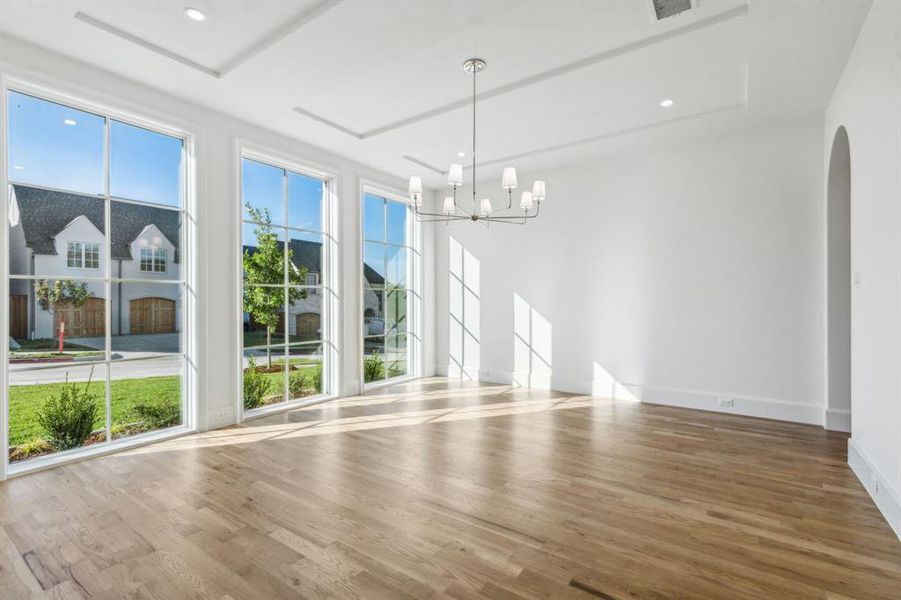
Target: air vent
{"type": "Point", "coordinates": [670, 8]}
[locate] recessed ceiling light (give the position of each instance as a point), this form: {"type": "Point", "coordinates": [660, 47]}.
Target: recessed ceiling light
{"type": "Point", "coordinates": [667, 102]}
{"type": "Point", "coordinates": [18, 167]}
{"type": "Point", "coordinates": [70, 122]}
{"type": "Point", "coordinates": [196, 15]}
{"type": "Point", "coordinates": [461, 154]}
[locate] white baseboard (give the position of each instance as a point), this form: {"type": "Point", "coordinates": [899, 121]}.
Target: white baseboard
{"type": "Point", "coordinates": [837, 420]}
{"type": "Point", "coordinates": [455, 371]}
{"type": "Point", "coordinates": [766, 408]}
{"type": "Point", "coordinates": [887, 499]}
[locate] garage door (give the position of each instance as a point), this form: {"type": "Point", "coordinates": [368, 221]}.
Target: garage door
{"type": "Point", "coordinates": [308, 325]}
{"type": "Point", "coordinates": [84, 321]}
{"type": "Point", "coordinates": [18, 316]}
{"type": "Point", "coordinates": [151, 315]}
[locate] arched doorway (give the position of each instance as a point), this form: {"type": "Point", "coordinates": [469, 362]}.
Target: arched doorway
{"type": "Point", "coordinates": [838, 276]}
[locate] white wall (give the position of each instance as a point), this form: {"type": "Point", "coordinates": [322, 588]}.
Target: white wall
{"type": "Point", "coordinates": [217, 161]}
{"type": "Point", "coordinates": [867, 102]}
{"type": "Point", "coordinates": [686, 274]}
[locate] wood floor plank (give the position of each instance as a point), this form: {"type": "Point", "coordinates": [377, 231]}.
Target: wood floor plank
{"type": "Point", "coordinates": [438, 489]}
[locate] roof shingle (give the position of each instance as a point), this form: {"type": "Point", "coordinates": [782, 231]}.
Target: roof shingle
{"type": "Point", "coordinates": [44, 213]}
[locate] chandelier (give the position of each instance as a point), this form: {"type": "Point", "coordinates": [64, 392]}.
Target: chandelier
{"type": "Point", "coordinates": [481, 210]}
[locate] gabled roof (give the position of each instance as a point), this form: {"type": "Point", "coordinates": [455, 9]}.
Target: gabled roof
{"type": "Point", "coordinates": [44, 213]}
{"type": "Point", "coordinates": [306, 253]}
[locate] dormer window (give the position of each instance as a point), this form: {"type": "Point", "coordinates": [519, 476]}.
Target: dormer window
{"type": "Point", "coordinates": [83, 255]}
{"type": "Point", "coordinates": [153, 260]}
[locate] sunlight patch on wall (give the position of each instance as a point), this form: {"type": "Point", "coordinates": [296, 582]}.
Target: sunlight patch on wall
{"type": "Point", "coordinates": [606, 385]}
{"type": "Point", "coordinates": [464, 313]}
{"type": "Point", "coordinates": [532, 344]}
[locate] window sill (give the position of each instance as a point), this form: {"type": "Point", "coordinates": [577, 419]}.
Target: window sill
{"type": "Point", "coordinates": [78, 454]}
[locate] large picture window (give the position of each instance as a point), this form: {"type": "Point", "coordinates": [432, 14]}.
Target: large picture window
{"type": "Point", "coordinates": [389, 285]}
{"type": "Point", "coordinates": [286, 283]}
{"type": "Point", "coordinates": [96, 352]}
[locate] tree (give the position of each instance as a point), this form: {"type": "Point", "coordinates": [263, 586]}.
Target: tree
{"type": "Point", "coordinates": [266, 265]}
{"type": "Point", "coordinates": [61, 292]}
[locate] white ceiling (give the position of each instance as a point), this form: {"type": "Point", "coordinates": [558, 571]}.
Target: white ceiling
{"type": "Point", "coordinates": [381, 81]}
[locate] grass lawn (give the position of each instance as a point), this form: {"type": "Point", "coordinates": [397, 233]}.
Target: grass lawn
{"type": "Point", "coordinates": [49, 344]}
{"type": "Point", "coordinates": [258, 338]}
{"type": "Point", "coordinates": [26, 400]}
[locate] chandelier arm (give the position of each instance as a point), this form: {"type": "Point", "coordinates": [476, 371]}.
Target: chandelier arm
{"type": "Point", "coordinates": [447, 220]}
{"type": "Point", "coordinates": [526, 216]}
{"type": "Point", "coordinates": [420, 213]}
{"type": "Point", "coordinates": [507, 221]}
{"type": "Point", "coordinates": [502, 214]}
{"type": "Point", "coordinates": [520, 220]}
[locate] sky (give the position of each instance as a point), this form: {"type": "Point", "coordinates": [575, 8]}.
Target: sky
{"type": "Point", "coordinates": [60, 147]}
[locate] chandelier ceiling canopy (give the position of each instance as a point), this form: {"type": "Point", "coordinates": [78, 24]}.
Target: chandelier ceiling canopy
{"type": "Point", "coordinates": [481, 210]}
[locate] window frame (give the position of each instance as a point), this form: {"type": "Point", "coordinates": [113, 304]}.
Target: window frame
{"type": "Point", "coordinates": [412, 287]}
{"type": "Point", "coordinates": [23, 82]}
{"type": "Point", "coordinates": [328, 286]}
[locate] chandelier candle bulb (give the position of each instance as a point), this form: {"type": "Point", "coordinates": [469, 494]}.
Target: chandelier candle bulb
{"type": "Point", "coordinates": [415, 185]}
{"type": "Point", "coordinates": [509, 182]}
{"type": "Point", "coordinates": [526, 202]}
{"type": "Point", "coordinates": [455, 175]}
{"type": "Point", "coordinates": [486, 206]}
{"type": "Point", "coordinates": [538, 191]}
{"type": "Point", "coordinates": [448, 205]}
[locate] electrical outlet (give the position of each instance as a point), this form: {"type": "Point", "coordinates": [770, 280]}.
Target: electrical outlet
{"type": "Point", "coordinates": [725, 402]}
{"type": "Point", "coordinates": [221, 415]}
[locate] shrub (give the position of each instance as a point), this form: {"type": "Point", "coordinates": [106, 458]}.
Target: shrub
{"type": "Point", "coordinates": [256, 386]}
{"type": "Point", "coordinates": [67, 417]}
{"type": "Point", "coordinates": [305, 381]}
{"type": "Point", "coordinates": [396, 369]}
{"type": "Point", "coordinates": [316, 378]}
{"type": "Point", "coordinates": [157, 415]}
{"type": "Point", "coordinates": [36, 446]}
{"type": "Point", "coordinates": [373, 367]}
{"type": "Point", "coordinates": [297, 384]}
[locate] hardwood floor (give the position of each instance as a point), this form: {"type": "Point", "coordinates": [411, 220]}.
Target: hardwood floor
{"type": "Point", "coordinates": [436, 490]}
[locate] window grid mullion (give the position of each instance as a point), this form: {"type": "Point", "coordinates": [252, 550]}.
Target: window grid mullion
{"type": "Point", "coordinates": [286, 328]}
{"type": "Point", "coordinates": [107, 270]}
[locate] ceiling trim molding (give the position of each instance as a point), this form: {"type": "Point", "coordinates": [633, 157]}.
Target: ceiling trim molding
{"type": "Point", "coordinates": [614, 134]}
{"type": "Point", "coordinates": [265, 42]}
{"type": "Point", "coordinates": [325, 121]}
{"type": "Point", "coordinates": [130, 37]}
{"type": "Point", "coordinates": [424, 164]}
{"type": "Point", "coordinates": [278, 34]}
{"type": "Point", "coordinates": [742, 105]}
{"type": "Point", "coordinates": [728, 15]}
